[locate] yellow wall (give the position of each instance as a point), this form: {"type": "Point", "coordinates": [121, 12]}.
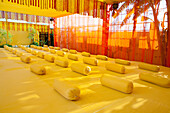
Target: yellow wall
{"type": "Point", "coordinates": [20, 37]}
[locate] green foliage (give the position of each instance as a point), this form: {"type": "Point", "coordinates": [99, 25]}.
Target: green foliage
{"type": "Point", "coordinates": [32, 33]}
{"type": "Point", "coordinates": [3, 36]}
{"type": "Point", "coordinates": [43, 42]}
{"type": "Point", "coordinates": [34, 43]}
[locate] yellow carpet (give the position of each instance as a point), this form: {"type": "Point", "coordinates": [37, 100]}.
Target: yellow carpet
{"type": "Point", "coordinates": [22, 91]}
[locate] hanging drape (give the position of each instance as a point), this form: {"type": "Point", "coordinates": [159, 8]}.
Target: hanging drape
{"type": "Point", "coordinates": [134, 32]}
{"type": "Point", "coordinates": [168, 48]}
{"type": "Point", "coordinates": [80, 32]}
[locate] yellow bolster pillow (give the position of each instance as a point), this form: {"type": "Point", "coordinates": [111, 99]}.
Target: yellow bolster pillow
{"type": "Point", "coordinates": [5, 46]}
{"type": "Point", "coordinates": [101, 57]}
{"type": "Point", "coordinates": [25, 58]}
{"type": "Point", "coordinates": [49, 57]}
{"type": "Point", "coordinates": [57, 48]}
{"type": "Point", "coordinates": [156, 78]}
{"type": "Point", "coordinates": [45, 49]}
{"type": "Point", "coordinates": [85, 54]}
{"type": "Point", "coordinates": [60, 53]}
{"type": "Point", "coordinates": [41, 54]}
{"type": "Point", "coordinates": [149, 67]}
{"type": "Point", "coordinates": [38, 69]}
{"type": "Point", "coordinates": [11, 49]}
{"type": "Point", "coordinates": [35, 47]}
{"type": "Point", "coordinates": [65, 49]}
{"type": "Point", "coordinates": [80, 68]}
{"type": "Point", "coordinates": [8, 48]}
{"type": "Point", "coordinates": [73, 51]}
{"type": "Point", "coordinates": [115, 67]}
{"type": "Point", "coordinates": [34, 52]}
{"type": "Point", "coordinates": [51, 47]}
{"type": "Point", "coordinates": [19, 46]}
{"type": "Point", "coordinates": [73, 57]}
{"type": "Point", "coordinates": [120, 61]}
{"type": "Point", "coordinates": [32, 46]}
{"type": "Point", "coordinates": [52, 51]}
{"type": "Point", "coordinates": [23, 47]}
{"type": "Point", "coordinates": [14, 51]}
{"type": "Point", "coordinates": [28, 50]}
{"type": "Point", "coordinates": [39, 48]}
{"type": "Point", "coordinates": [91, 61]}
{"type": "Point", "coordinates": [60, 61]}
{"type": "Point", "coordinates": [19, 53]}
{"type": "Point", "coordinates": [45, 46]}
{"type": "Point", "coordinates": [67, 90]}
{"type": "Point", "coordinates": [117, 83]}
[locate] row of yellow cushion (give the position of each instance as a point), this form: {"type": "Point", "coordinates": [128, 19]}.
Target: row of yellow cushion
{"type": "Point", "coordinates": [121, 69]}
{"type": "Point", "coordinates": [110, 66]}
{"type": "Point", "coordinates": [71, 92]}
{"type": "Point", "coordinates": [107, 80]}
{"type": "Point", "coordinates": [159, 79]}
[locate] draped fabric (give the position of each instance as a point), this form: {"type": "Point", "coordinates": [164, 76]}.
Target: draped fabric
{"type": "Point", "coordinates": [80, 32]}
{"type": "Point", "coordinates": [136, 31]}
{"type": "Point", "coordinates": [136, 34]}
{"type": "Point", "coordinates": [168, 48]}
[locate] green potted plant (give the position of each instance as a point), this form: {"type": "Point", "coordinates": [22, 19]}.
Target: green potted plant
{"type": "Point", "coordinates": [4, 40]}
{"type": "Point", "coordinates": [31, 35]}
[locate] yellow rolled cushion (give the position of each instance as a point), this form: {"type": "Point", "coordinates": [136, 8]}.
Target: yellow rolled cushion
{"type": "Point", "coordinates": [67, 90]}
{"type": "Point", "coordinates": [34, 52]}
{"type": "Point", "coordinates": [85, 54]}
{"type": "Point", "coordinates": [35, 47]}
{"type": "Point", "coordinates": [52, 51]}
{"type": "Point", "coordinates": [57, 48]}
{"type": "Point", "coordinates": [65, 49]}
{"type": "Point", "coordinates": [39, 48]}
{"type": "Point", "coordinates": [60, 61]}
{"type": "Point", "coordinates": [149, 67]}
{"type": "Point", "coordinates": [19, 53]}
{"type": "Point", "coordinates": [11, 49]}
{"type": "Point", "coordinates": [38, 69]}
{"type": "Point", "coordinates": [115, 67]}
{"type": "Point", "coordinates": [25, 58]}
{"type": "Point", "coordinates": [124, 62]}
{"type": "Point", "coordinates": [23, 47]}
{"type": "Point", "coordinates": [49, 57]}
{"type": "Point", "coordinates": [45, 49]}
{"type": "Point", "coordinates": [101, 57]}
{"type": "Point", "coordinates": [80, 68]}
{"type": "Point", "coordinates": [19, 46]}
{"type": "Point", "coordinates": [8, 48]}
{"type": "Point", "coordinates": [28, 50]}
{"type": "Point", "coordinates": [73, 51]}
{"type": "Point", "coordinates": [5, 46]}
{"type": "Point", "coordinates": [40, 54]}
{"type": "Point", "coordinates": [117, 83]}
{"type": "Point", "coordinates": [73, 57]}
{"type": "Point", "coordinates": [51, 47]}
{"type": "Point", "coordinates": [32, 46]}
{"type": "Point", "coordinates": [45, 46]}
{"type": "Point", "coordinates": [156, 78]}
{"type": "Point", "coordinates": [91, 61]}
{"type": "Point", "coordinates": [14, 51]}
{"type": "Point", "coordinates": [60, 53]}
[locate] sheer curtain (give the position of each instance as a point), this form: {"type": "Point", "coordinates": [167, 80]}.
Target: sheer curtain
{"type": "Point", "coordinates": [137, 31]}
